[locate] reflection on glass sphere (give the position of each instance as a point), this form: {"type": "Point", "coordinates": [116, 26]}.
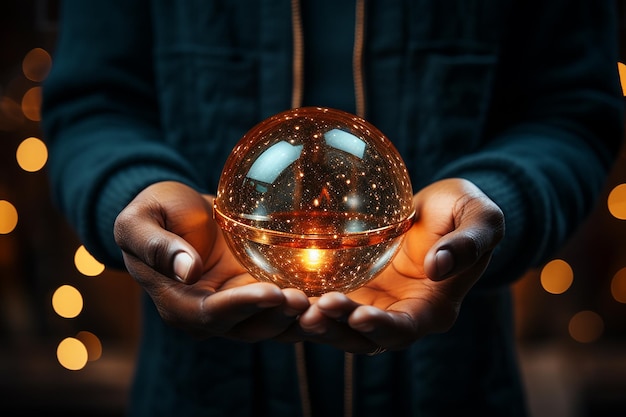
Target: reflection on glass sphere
{"type": "Point", "coordinates": [314, 198]}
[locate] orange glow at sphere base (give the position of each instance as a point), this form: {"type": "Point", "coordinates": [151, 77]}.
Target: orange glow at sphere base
{"type": "Point", "coordinates": [316, 199]}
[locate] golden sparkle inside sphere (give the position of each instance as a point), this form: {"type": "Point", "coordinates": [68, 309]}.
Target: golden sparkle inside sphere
{"type": "Point", "coordinates": [316, 199]}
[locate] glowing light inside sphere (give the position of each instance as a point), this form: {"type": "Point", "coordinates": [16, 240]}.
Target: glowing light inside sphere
{"type": "Point", "coordinates": [314, 198]}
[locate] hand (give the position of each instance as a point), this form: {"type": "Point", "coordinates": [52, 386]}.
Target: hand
{"type": "Point", "coordinates": [442, 256]}
{"type": "Point", "coordinates": [176, 252]}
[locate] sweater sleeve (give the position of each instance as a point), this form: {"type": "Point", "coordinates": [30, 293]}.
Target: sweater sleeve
{"type": "Point", "coordinates": [100, 119]}
{"type": "Point", "coordinates": [555, 128]}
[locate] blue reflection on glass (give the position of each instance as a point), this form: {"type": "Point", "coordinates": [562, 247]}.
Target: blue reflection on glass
{"type": "Point", "coordinates": [273, 161]}
{"type": "Point", "coordinates": [346, 142]}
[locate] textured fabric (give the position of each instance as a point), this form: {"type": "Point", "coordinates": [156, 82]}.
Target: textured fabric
{"type": "Point", "coordinates": [520, 97]}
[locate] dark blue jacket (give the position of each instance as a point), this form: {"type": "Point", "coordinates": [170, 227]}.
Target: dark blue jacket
{"type": "Point", "coordinates": [520, 97]}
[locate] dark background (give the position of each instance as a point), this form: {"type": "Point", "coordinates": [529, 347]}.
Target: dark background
{"type": "Point", "coordinates": [564, 377]}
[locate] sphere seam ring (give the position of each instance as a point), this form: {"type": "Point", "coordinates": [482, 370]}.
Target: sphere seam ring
{"type": "Point", "coordinates": [320, 241]}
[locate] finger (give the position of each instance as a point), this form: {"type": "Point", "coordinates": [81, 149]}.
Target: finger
{"type": "Point", "coordinates": [326, 322]}
{"type": "Point", "coordinates": [366, 330]}
{"type": "Point", "coordinates": [341, 336]}
{"type": "Point", "coordinates": [319, 328]}
{"type": "Point", "coordinates": [296, 302]}
{"type": "Point", "coordinates": [479, 227]}
{"type": "Point", "coordinates": [142, 235]}
{"type": "Point", "coordinates": [333, 306]}
{"type": "Point", "coordinates": [387, 329]}
{"type": "Point", "coordinates": [219, 313]}
{"type": "Point", "coordinates": [409, 320]}
{"type": "Point", "coordinates": [203, 311]}
{"type": "Point", "coordinates": [272, 322]}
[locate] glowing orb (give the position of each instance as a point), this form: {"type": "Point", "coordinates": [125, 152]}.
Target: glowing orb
{"type": "Point", "coordinates": [314, 198]}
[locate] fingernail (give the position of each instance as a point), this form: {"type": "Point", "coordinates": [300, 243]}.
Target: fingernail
{"type": "Point", "coordinates": [444, 262]}
{"type": "Point", "coordinates": [182, 265]}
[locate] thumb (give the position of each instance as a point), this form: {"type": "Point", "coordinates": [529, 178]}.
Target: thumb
{"type": "Point", "coordinates": [159, 228]}
{"type": "Point", "coordinates": [478, 228]}
{"type": "Point", "coordinates": [165, 252]}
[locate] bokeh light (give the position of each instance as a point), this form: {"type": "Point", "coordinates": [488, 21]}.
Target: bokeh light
{"type": "Point", "coordinates": [92, 344]}
{"type": "Point", "coordinates": [32, 154]}
{"type": "Point", "coordinates": [31, 104]}
{"type": "Point", "coordinates": [72, 354]}
{"type": "Point", "coordinates": [622, 76]}
{"type": "Point", "coordinates": [86, 263]}
{"type": "Point", "coordinates": [586, 326]}
{"type": "Point", "coordinates": [8, 217]}
{"type": "Point", "coordinates": [557, 276]}
{"type": "Point", "coordinates": [67, 301]}
{"type": "Point", "coordinates": [36, 64]}
{"type": "Point", "coordinates": [618, 286]}
{"type": "Point", "coordinates": [616, 202]}
{"type": "Point", "coordinates": [11, 116]}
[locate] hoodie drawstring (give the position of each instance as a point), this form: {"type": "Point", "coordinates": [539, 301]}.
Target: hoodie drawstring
{"type": "Point", "coordinates": [297, 90]}
{"type": "Point", "coordinates": [296, 101]}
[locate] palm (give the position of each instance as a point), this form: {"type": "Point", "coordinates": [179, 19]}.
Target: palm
{"type": "Point", "coordinates": [442, 256]}
{"type": "Point", "coordinates": [404, 279]}
{"type": "Point", "coordinates": [175, 251]}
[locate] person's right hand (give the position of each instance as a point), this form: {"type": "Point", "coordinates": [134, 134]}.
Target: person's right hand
{"type": "Point", "coordinates": [177, 253]}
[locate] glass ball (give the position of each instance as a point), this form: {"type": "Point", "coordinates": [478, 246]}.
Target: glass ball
{"type": "Point", "coordinates": [314, 198]}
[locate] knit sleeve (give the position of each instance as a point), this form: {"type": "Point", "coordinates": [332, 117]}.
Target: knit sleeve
{"type": "Point", "coordinates": [100, 119]}
{"type": "Point", "coordinates": [555, 128]}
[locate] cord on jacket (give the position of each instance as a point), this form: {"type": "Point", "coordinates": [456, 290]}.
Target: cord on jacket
{"type": "Point", "coordinates": [297, 90]}
{"type": "Point", "coordinates": [297, 94]}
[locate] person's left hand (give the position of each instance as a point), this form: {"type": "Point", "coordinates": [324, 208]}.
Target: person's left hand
{"type": "Point", "coordinates": [443, 255]}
